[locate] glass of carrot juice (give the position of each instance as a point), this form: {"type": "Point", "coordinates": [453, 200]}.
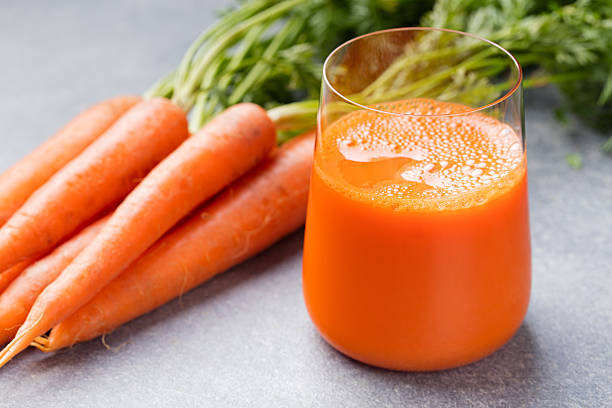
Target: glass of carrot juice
{"type": "Point", "coordinates": [417, 248]}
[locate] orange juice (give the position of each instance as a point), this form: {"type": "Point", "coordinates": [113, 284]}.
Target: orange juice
{"type": "Point", "coordinates": [417, 249]}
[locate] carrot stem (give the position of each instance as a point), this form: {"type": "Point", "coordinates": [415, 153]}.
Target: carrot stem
{"type": "Point", "coordinates": [287, 33]}
{"type": "Point", "coordinates": [295, 116]}
{"type": "Point", "coordinates": [229, 20]}
{"type": "Point", "coordinates": [184, 94]}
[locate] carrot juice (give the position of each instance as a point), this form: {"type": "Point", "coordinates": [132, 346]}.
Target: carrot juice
{"type": "Point", "coordinates": [417, 249]}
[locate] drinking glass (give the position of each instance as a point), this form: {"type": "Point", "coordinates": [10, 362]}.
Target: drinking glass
{"type": "Point", "coordinates": [417, 247]}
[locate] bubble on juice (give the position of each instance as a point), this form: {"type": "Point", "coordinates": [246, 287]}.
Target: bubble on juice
{"type": "Point", "coordinates": [476, 172]}
{"type": "Point", "coordinates": [515, 149]}
{"type": "Point", "coordinates": [420, 158]}
{"type": "Point", "coordinates": [380, 151]}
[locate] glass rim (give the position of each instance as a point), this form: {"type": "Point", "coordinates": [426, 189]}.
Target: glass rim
{"type": "Point", "coordinates": [349, 101]}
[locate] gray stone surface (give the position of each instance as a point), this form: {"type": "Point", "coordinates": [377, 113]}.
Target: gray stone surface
{"type": "Point", "coordinates": [244, 339]}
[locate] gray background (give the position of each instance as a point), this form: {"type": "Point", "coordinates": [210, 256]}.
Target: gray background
{"type": "Point", "coordinates": [244, 339]}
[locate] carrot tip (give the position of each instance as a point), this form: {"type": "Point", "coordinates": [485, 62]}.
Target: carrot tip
{"type": "Point", "coordinates": [24, 337]}
{"type": "Point", "coordinates": [9, 352]}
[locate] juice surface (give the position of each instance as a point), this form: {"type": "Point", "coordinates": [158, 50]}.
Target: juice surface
{"type": "Point", "coordinates": [417, 250]}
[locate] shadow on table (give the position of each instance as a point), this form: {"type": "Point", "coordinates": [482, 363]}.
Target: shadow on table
{"type": "Point", "coordinates": [220, 286]}
{"type": "Point", "coordinates": [514, 373]}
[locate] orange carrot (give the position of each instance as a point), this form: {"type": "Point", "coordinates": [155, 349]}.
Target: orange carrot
{"type": "Point", "coordinates": [31, 172]}
{"type": "Point", "coordinates": [249, 216]}
{"type": "Point", "coordinates": [16, 301]}
{"type": "Point", "coordinates": [224, 149]}
{"type": "Point", "coordinates": [101, 175]}
{"type": "Point", "coordinates": [12, 273]}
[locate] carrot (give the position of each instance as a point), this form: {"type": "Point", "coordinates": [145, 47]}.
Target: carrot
{"type": "Point", "coordinates": [16, 301]}
{"type": "Point", "coordinates": [31, 172]}
{"type": "Point", "coordinates": [12, 273]}
{"type": "Point", "coordinates": [101, 175]}
{"type": "Point", "coordinates": [224, 149]}
{"type": "Point", "coordinates": [246, 218]}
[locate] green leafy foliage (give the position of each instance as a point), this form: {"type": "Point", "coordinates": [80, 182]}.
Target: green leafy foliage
{"type": "Point", "coordinates": [571, 41]}
{"type": "Point", "coordinates": [270, 51]}
{"type": "Point", "coordinates": [574, 160]}
{"type": "Point", "coordinates": [255, 54]}
{"type": "Point", "coordinates": [607, 146]}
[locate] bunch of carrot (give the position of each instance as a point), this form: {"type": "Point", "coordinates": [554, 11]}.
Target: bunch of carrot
{"type": "Point", "coordinates": [130, 205]}
{"type": "Point", "coordinates": [112, 217]}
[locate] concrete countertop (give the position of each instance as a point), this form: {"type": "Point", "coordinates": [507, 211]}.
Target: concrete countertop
{"type": "Point", "coordinates": [244, 339]}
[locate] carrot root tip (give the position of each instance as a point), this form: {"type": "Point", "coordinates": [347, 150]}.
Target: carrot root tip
{"type": "Point", "coordinates": [41, 343]}
{"type": "Point", "coordinates": [111, 348]}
